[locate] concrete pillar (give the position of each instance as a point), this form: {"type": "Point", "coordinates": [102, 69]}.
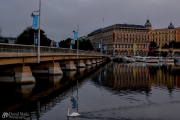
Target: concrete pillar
{"type": "Point", "coordinates": [51, 68]}
{"type": "Point", "coordinates": [98, 62]}
{"type": "Point", "coordinates": [80, 63]}
{"type": "Point", "coordinates": [54, 68]}
{"type": "Point", "coordinates": [23, 74]}
{"type": "Point", "coordinates": [68, 75]}
{"type": "Point", "coordinates": [93, 61]}
{"type": "Point", "coordinates": [68, 65]}
{"type": "Point", "coordinates": [87, 62]}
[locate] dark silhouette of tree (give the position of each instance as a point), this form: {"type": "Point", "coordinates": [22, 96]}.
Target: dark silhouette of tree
{"type": "Point", "coordinates": [165, 46]}
{"type": "Point", "coordinates": [173, 44]}
{"type": "Point", "coordinates": [65, 43]}
{"type": "Point", "coordinates": [27, 37]}
{"type": "Point", "coordinates": [153, 45]}
{"type": "Point", "coordinates": [84, 44]}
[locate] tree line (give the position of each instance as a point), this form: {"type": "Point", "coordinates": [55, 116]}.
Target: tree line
{"type": "Point", "coordinates": [172, 44]}
{"type": "Point", "coordinates": [84, 44]}
{"type": "Point", "coordinates": [27, 37]}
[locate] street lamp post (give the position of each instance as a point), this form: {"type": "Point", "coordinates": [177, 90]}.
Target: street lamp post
{"type": "Point", "coordinates": [38, 29]}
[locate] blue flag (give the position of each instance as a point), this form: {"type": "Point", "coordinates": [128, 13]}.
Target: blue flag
{"type": "Point", "coordinates": [35, 22]}
{"type": "Point", "coordinates": [70, 46]}
{"type": "Point", "coordinates": [36, 40]}
{"type": "Point", "coordinates": [57, 44]}
{"type": "Point", "coordinates": [75, 35]}
{"type": "Point", "coordinates": [99, 45]}
{"type": "Point", "coordinates": [104, 47]}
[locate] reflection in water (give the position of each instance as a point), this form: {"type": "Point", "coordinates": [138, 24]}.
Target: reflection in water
{"type": "Point", "coordinates": [138, 76]}
{"type": "Point", "coordinates": [113, 92]}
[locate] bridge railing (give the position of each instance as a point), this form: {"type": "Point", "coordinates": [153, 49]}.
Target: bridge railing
{"type": "Point", "coordinates": [16, 48]}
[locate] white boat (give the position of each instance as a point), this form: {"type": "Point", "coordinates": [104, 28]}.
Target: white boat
{"type": "Point", "coordinates": [128, 59]}
{"type": "Point", "coordinates": [177, 59]}
{"type": "Point", "coordinates": [169, 60]}
{"type": "Point", "coordinates": [146, 59]}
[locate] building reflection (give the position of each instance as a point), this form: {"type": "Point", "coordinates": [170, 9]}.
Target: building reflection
{"type": "Point", "coordinates": [130, 77]}
{"type": "Point", "coordinates": [139, 76]}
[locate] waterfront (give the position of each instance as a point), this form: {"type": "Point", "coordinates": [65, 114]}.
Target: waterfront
{"type": "Point", "coordinates": [115, 91]}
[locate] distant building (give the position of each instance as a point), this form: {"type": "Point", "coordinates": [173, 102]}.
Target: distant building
{"type": "Point", "coordinates": [10, 40]}
{"type": "Point", "coordinates": [165, 35]}
{"type": "Point", "coordinates": [120, 39]}
{"type": "Point", "coordinates": [53, 43]}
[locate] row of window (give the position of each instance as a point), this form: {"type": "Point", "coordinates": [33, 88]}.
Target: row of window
{"type": "Point", "coordinates": [132, 40]}
{"type": "Point", "coordinates": [163, 39]}
{"type": "Point", "coordinates": [132, 35]}
{"type": "Point", "coordinates": [131, 31]}
{"type": "Point", "coordinates": [130, 46]}
{"type": "Point", "coordinates": [164, 32]}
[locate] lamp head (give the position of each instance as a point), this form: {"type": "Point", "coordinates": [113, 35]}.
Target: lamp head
{"type": "Point", "coordinates": [32, 15]}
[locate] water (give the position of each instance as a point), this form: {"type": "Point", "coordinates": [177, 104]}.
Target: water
{"type": "Point", "coordinates": [113, 92]}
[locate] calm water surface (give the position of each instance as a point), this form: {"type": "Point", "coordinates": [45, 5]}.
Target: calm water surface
{"type": "Point", "coordinates": [115, 91]}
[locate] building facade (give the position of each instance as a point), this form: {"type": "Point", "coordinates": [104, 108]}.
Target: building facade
{"type": "Point", "coordinates": [121, 39]}
{"type": "Point", "coordinates": [163, 36]}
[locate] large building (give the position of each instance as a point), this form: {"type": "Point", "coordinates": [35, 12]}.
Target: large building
{"type": "Point", "coordinates": [121, 39]}
{"type": "Point", "coordinates": [130, 39]}
{"type": "Point", "coordinates": [165, 35]}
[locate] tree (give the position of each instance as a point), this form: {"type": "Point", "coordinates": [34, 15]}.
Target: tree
{"type": "Point", "coordinates": [173, 44]}
{"type": "Point", "coordinates": [153, 44]}
{"type": "Point", "coordinates": [27, 37]}
{"type": "Point", "coordinates": [165, 46]}
{"type": "Point", "coordinates": [65, 43]}
{"type": "Point", "coordinates": [84, 44]}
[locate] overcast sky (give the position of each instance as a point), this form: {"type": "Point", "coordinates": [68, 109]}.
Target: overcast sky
{"type": "Point", "coordinates": [60, 17]}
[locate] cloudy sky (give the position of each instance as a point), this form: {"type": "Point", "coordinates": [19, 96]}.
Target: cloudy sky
{"type": "Point", "coordinates": [60, 17]}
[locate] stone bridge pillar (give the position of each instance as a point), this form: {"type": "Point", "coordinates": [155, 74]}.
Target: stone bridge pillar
{"type": "Point", "coordinates": [68, 65]}
{"type": "Point", "coordinates": [51, 68]}
{"type": "Point", "coordinates": [97, 61]}
{"type": "Point", "coordinates": [93, 61]}
{"type": "Point", "coordinates": [23, 74]}
{"type": "Point", "coordinates": [87, 62]}
{"type": "Point", "coordinates": [80, 63]}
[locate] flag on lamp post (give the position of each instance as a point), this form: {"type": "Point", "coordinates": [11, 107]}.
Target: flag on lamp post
{"type": "Point", "coordinates": [35, 22]}
{"type": "Point", "coordinates": [99, 45]}
{"type": "Point", "coordinates": [70, 46]}
{"type": "Point", "coordinates": [75, 35]}
{"type": "Point", "coordinates": [134, 47]}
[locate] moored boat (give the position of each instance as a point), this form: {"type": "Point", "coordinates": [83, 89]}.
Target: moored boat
{"type": "Point", "coordinates": [146, 59]}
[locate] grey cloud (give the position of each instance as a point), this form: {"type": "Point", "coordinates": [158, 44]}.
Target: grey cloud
{"type": "Point", "coordinates": [60, 17]}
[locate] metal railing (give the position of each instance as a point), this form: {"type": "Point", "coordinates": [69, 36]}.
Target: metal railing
{"type": "Point", "coordinates": [17, 48]}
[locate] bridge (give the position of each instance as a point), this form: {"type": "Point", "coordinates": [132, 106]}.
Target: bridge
{"type": "Point", "coordinates": [18, 62]}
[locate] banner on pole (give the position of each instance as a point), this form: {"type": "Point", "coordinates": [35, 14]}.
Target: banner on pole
{"type": "Point", "coordinates": [70, 46]}
{"type": "Point", "coordinates": [35, 22]}
{"type": "Point", "coordinates": [99, 45]}
{"type": "Point", "coordinates": [75, 35]}
{"type": "Point", "coordinates": [36, 41]}
{"type": "Point", "coordinates": [134, 47]}
{"type": "Point", "coordinates": [104, 47]}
